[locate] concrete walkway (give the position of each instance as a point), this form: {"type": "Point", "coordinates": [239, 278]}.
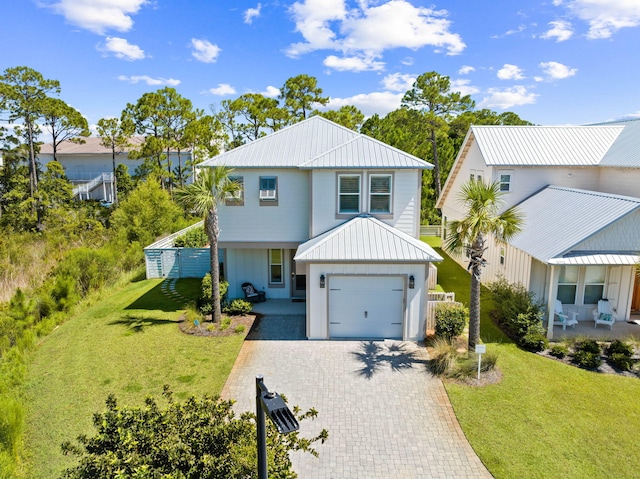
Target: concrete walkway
{"type": "Point", "coordinates": [387, 417]}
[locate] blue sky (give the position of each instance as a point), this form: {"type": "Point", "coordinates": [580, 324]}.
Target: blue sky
{"type": "Point", "coordinates": [550, 61]}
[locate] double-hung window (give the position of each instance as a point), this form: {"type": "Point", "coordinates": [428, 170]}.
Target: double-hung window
{"type": "Point", "coordinates": [568, 284]}
{"type": "Point", "coordinates": [236, 199]}
{"type": "Point", "coordinates": [276, 275]}
{"type": "Point", "coordinates": [380, 193]}
{"type": "Point", "coordinates": [505, 178]}
{"type": "Point", "coordinates": [349, 194]}
{"type": "Point", "coordinates": [594, 279]}
{"type": "Point", "coordinates": [268, 189]}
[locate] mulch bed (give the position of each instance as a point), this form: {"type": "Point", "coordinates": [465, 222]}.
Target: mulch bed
{"type": "Point", "coordinates": [208, 328]}
{"type": "Point", "coordinates": [605, 367]}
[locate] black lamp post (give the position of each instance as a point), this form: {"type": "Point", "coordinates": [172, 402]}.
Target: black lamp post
{"type": "Point", "coordinates": [271, 403]}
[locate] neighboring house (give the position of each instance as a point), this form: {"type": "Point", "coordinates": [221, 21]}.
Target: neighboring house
{"type": "Point", "coordinates": [329, 216]}
{"type": "Point", "coordinates": [579, 190]}
{"type": "Point", "coordinates": [89, 165]}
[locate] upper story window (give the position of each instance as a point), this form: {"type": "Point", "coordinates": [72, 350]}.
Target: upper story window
{"type": "Point", "coordinates": [268, 189]}
{"type": "Point", "coordinates": [348, 193]}
{"type": "Point", "coordinates": [236, 199]}
{"type": "Point", "coordinates": [505, 178]}
{"type": "Point", "coordinates": [476, 175]}
{"type": "Point", "coordinates": [380, 193]}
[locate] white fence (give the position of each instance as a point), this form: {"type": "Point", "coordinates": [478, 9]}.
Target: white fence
{"type": "Point", "coordinates": [433, 299]}
{"type": "Point", "coordinates": [430, 230]}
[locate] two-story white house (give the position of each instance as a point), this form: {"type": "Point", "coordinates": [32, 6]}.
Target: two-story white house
{"type": "Point", "coordinates": [329, 216]}
{"type": "Point", "coordinates": [578, 188]}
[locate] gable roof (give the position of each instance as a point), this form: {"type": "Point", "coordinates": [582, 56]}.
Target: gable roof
{"type": "Point", "coordinates": [365, 239]}
{"type": "Point", "coordinates": [557, 219]}
{"type": "Point", "coordinates": [316, 143]}
{"type": "Point", "coordinates": [545, 145]}
{"type": "Point", "coordinates": [91, 146]}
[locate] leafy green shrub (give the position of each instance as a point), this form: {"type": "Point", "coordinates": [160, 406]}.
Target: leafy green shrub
{"type": "Point", "coordinates": [559, 350]}
{"type": "Point", "coordinates": [468, 367]}
{"type": "Point", "coordinates": [239, 329]}
{"type": "Point", "coordinates": [451, 319]}
{"type": "Point", "coordinates": [620, 354]}
{"type": "Point", "coordinates": [200, 437]}
{"type": "Point", "coordinates": [90, 268]}
{"type": "Point", "coordinates": [237, 306]}
{"type": "Point", "coordinates": [206, 292]}
{"type": "Point", "coordinates": [587, 354]}
{"type": "Point", "coordinates": [533, 341]}
{"type": "Point", "coordinates": [11, 422]}
{"type": "Point", "coordinates": [194, 238]}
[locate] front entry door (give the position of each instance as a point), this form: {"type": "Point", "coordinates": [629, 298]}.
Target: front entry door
{"type": "Point", "coordinates": [298, 281]}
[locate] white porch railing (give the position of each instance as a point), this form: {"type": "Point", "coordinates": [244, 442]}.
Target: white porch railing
{"type": "Point", "coordinates": [87, 188]}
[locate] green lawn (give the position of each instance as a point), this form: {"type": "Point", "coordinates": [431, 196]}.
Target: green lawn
{"type": "Point", "coordinates": [545, 419]}
{"type": "Point", "coordinates": [129, 344]}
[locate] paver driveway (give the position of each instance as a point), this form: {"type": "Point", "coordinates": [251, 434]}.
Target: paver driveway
{"type": "Point", "coordinates": [387, 417]}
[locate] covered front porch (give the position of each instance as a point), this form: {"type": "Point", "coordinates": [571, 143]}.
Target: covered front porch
{"type": "Point", "coordinates": [621, 330]}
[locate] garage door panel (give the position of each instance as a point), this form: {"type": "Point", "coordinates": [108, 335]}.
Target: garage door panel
{"type": "Point", "coordinates": [366, 307]}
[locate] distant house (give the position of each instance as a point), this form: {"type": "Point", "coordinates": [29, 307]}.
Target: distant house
{"type": "Point", "coordinates": [579, 190]}
{"type": "Point", "coordinates": [89, 165]}
{"type": "Point", "coordinates": [329, 216]}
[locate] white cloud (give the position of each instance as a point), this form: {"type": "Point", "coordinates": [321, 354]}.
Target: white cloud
{"type": "Point", "coordinates": [605, 17]}
{"type": "Point", "coordinates": [204, 50]}
{"type": "Point", "coordinates": [369, 103]}
{"type": "Point", "coordinates": [121, 48]}
{"type": "Point", "coordinates": [510, 72]}
{"type": "Point", "coordinates": [560, 30]}
{"type": "Point", "coordinates": [466, 69]}
{"type": "Point", "coordinates": [149, 80]}
{"type": "Point", "coordinates": [353, 64]}
{"type": "Point", "coordinates": [222, 89]}
{"type": "Point", "coordinates": [557, 71]}
{"type": "Point", "coordinates": [367, 31]}
{"type": "Point", "coordinates": [507, 98]}
{"type": "Point", "coordinates": [398, 82]}
{"type": "Point", "coordinates": [99, 16]}
{"type": "Point", "coordinates": [251, 13]}
{"type": "Point", "coordinates": [464, 87]}
{"type": "Point", "coordinates": [271, 92]}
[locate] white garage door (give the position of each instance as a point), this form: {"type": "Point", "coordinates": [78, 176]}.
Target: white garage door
{"type": "Point", "coordinates": [366, 306]}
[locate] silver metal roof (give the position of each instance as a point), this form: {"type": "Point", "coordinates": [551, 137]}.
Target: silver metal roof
{"type": "Point", "coordinates": [366, 239]}
{"type": "Point", "coordinates": [316, 143]}
{"type": "Point", "coordinates": [589, 259]}
{"type": "Point", "coordinates": [625, 151]}
{"type": "Point", "coordinates": [545, 145]}
{"type": "Point", "coordinates": [557, 219]}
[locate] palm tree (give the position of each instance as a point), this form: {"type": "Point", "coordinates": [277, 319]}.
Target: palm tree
{"type": "Point", "coordinates": [202, 197]}
{"type": "Point", "coordinates": [469, 235]}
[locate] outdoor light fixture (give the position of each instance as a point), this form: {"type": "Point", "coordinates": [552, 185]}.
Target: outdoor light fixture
{"type": "Point", "coordinates": [412, 282]}
{"type": "Point", "coordinates": [322, 280]}
{"type": "Point", "coordinates": [271, 403]}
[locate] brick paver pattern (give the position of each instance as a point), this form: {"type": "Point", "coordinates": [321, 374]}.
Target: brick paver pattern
{"type": "Point", "coordinates": [387, 417]}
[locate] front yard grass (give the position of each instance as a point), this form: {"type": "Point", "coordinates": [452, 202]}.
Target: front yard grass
{"type": "Point", "coordinates": [545, 419]}
{"type": "Point", "coordinates": [129, 344]}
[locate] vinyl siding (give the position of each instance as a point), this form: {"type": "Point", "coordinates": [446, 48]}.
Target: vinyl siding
{"type": "Point", "coordinates": [623, 235]}
{"type": "Point", "coordinates": [288, 221]}
{"type": "Point", "coordinates": [620, 181]}
{"type": "Point", "coordinates": [324, 198]}
{"type": "Point", "coordinates": [252, 265]}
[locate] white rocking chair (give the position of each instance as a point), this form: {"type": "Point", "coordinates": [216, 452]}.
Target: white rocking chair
{"type": "Point", "coordinates": [604, 315]}
{"type": "Point", "coordinates": [562, 319]}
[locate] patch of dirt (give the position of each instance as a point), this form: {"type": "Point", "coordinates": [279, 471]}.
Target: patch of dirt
{"type": "Point", "coordinates": [486, 378]}
{"type": "Point", "coordinates": [240, 324]}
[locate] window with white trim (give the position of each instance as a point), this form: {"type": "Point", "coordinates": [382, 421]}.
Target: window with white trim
{"type": "Point", "coordinates": [349, 193]}
{"type": "Point", "coordinates": [594, 279]}
{"type": "Point", "coordinates": [476, 175]}
{"type": "Point", "coordinates": [502, 256]}
{"type": "Point", "coordinates": [380, 193]}
{"type": "Point", "coordinates": [268, 188]}
{"type": "Point", "coordinates": [505, 178]}
{"type": "Point", "coordinates": [568, 284]}
{"type": "Point", "coordinates": [276, 271]}
{"type": "Point", "coordinates": [236, 199]}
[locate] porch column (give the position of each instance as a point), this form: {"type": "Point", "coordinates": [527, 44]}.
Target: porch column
{"type": "Point", "coordinates": [551, 298]}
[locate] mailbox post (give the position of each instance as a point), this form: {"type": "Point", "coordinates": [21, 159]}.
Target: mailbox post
{"type": "Point", "coordinates": [271, 403]}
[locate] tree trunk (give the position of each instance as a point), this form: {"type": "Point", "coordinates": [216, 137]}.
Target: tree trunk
{"type": "Point", "coordinates": [436, 163]}
{"type": "Point", "coordinates": [475, 265]}
{"type": "Point", "coordinates": [115, 180]}
{"type": "Point", "coordinates": [213, 230]}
